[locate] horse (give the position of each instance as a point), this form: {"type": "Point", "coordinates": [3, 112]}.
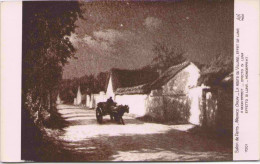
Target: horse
{"type": "Point", "coordinates": [118, 112]}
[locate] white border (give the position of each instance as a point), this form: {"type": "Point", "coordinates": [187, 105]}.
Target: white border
{"type": "Point", "coordinates": [11, 61]}
{"type": "Point", "coordinates": [11, 49]}
{"type": "Point", "coordinates": [248, 126]}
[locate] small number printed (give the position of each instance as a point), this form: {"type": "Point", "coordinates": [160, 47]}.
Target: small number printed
{"type": "Point", "coordinates": [240, 17]}
{"type": "Point", "coordinates": [246, 147]}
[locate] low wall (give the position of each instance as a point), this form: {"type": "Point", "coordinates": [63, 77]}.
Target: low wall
{"type": "Point", "coordinates": [136, 103]}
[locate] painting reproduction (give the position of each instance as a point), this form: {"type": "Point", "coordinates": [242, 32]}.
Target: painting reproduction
{"type": "Point", "coordinates": [127, 81]}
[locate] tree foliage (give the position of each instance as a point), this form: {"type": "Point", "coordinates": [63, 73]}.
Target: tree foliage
{"type": "Point", "coordinates": [46, 47]}
{"type": "Point", "coordinates": [88, 84]}
{"type": "Point", "coordinates": [166, 56]}
{"type": "Point", "coordinates": [220, 63]}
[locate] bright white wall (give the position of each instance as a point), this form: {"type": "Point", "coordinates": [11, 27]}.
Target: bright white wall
{"type": "Point", "coordinates": [194, 74]}
{"type": "Point", "coordinates": [136, 103]}
{"type": "Point", "coordinates": [87, 101]}
{"type": "Point", "coordinates": [79, 97]}
{"type": "Point", "coordinates": [101, 97]}
{"type": "Point", "coordinates": [195, 95]}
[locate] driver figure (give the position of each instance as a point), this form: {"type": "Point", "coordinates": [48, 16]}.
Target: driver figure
{"type": "Point", "coordinates": [110, 103]}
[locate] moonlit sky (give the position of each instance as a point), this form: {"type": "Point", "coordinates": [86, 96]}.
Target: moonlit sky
{"type": "Point", "coordinates": [122, 34]}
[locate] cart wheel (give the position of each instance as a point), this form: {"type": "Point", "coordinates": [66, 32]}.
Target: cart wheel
{"type": "Point", "coordinates": [99, 115]}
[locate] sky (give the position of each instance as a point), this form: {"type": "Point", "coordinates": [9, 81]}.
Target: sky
{"type": "Point", "coordinates": [123, 34]}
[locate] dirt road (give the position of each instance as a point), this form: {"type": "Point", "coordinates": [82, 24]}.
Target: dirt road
{"type": "Point", "coordinates": [86, 140]}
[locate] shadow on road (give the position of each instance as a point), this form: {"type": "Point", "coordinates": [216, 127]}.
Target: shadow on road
{"type": "Point", "coordinates": [135, 141]}
{"type": "Point", "coordinates": [171, 146]}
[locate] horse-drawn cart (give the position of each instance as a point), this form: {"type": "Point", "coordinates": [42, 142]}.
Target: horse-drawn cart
{"type": "Point", "coordinates": [115, 111]}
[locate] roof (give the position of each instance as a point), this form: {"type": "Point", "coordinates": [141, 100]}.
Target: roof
{"type": "Point", "coordinates": [215, 77]}
{"type": "Point", "coordinates": [169, 74]}
{"type": "Point", "coordinates": [129, 78]}
{"type": "Point", "coordinates": [140, 89]}
{"type": "Point", "coordinates": [141, 82]}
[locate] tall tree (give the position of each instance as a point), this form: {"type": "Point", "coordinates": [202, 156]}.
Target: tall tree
{"type": "Point", "coordinates": [46, 46]}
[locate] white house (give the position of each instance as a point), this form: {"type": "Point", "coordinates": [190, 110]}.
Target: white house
{"type": "Point", "coordinates": [167, 96]}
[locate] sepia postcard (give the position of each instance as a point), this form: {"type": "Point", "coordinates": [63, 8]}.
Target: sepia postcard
{"type": "Point", "coordinates": [156, 81]}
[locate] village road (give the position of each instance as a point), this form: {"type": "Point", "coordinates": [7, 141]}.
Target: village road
{"type": "Point", "coordinates": [86, 140]}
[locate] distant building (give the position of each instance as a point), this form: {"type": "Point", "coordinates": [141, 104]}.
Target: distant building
{"type": "Point", "coordinates": [79, 97]}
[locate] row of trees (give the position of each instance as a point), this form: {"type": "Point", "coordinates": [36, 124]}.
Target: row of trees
{"type": "Point", "coordinates": [45, 50]}
{"type": "Point", "coordinates": [88, 84]}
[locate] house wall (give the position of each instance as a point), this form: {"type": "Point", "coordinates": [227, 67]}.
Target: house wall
{"type": "Point", "coordinates": [180, 101]}
{"type": "Point", "coordinates": [177, 109]}
{"type": "Point", "coordinates": [155, 105]}
{"type": "Point", "coordinates": [195, 98]}
{"type": "Point", "coordinates": [79, 97]}
{"type": "Point", "coordinates": [93, 99]}
{"type": "Point", "coordinates": [136, 103]}
{"type": "Point", "coordinates": [174, 102]}
{"type": "Point", "coordinates": [88, 100]}
{"type": "Point", "coordinates": [182, 82]}
{"type": "Point", "coordinates": [75, 101]}
{"type": "Point", "coordinates": [101, 97]}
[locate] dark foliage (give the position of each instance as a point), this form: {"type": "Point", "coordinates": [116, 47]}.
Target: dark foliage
{"type": "Point", "coordinates": [88, 84]}
{"type": "Point", "coordinates": [45, 45]}
{"type": "Point", "coordinates": [46, 49]}
{"type": "Point", "coordinates": [216, 70]}
{"type": "Point", "coordinates": [166, 56]}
